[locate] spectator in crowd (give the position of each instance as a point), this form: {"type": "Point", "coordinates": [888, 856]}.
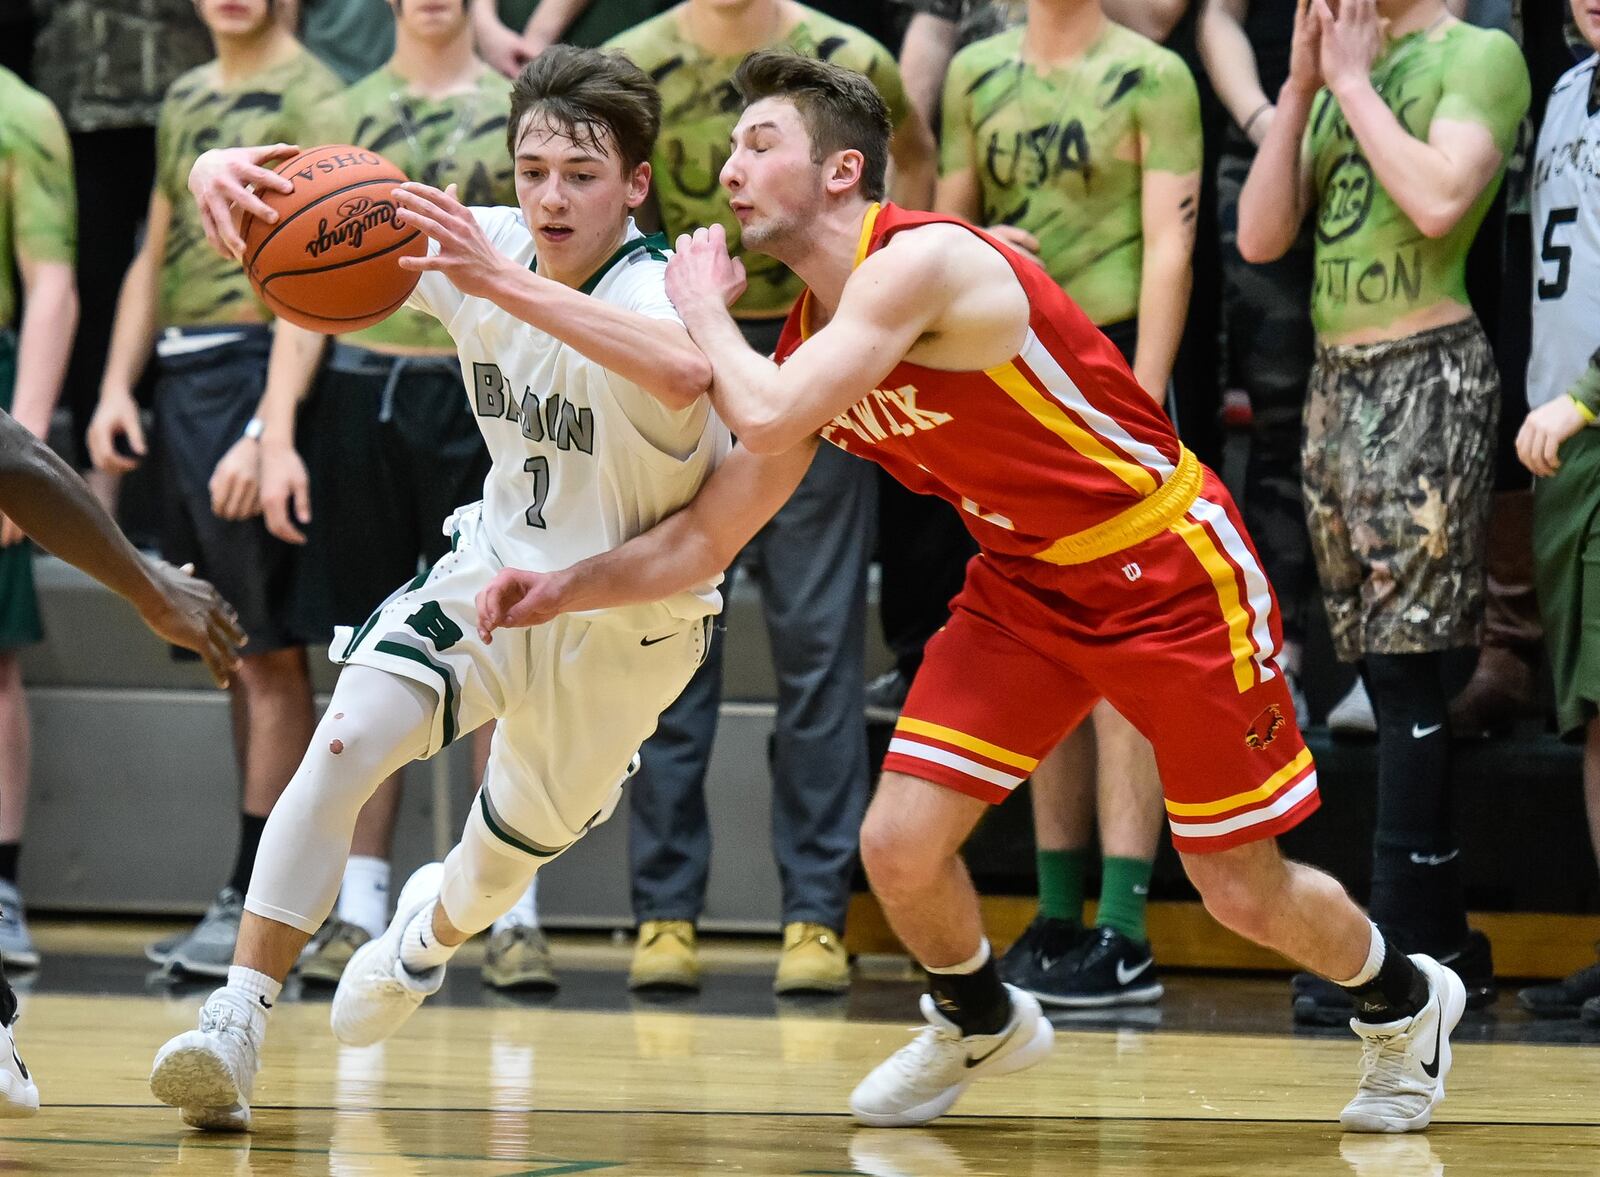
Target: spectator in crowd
{"type": "Point", "coordinates": [810, 560]}
{"type": "Point", "coordinates": [543, 22]}
{"type": "Point", "coordinates": [1406, 127]}
{"type": "Point", "coordinates": [106, 67]}
{"type": "Point", "coordinates": [1555, 442]}
{"type": "Point", "coordinates": [391, 447]}
{"type": "Point", "coordinates": [211, 338]}
{"type": "Point", "coordinates": [1265, 309]}
{"type": "Point", "coordinates": [37, 223]}
{"type": "Point", "coordinates": [1077, 141]}
{"type": "Point", "coordinates": [350, 37]}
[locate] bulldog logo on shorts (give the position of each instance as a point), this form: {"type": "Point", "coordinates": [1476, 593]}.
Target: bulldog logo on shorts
{"type": "Point", "coordinates": [1264, 728]}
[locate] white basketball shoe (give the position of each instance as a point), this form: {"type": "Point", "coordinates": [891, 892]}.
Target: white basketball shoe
{"type": "Point", "coordinates": [920, 1081]}
{"type": "Point", "coordinates": [19, 1095]}
{"type": "Point", "coordinates": [1404, 1063]}
{"type": "Point", "coordinates": [377, 993]}
{"type": "Point", "coordinates": [208, 1074]}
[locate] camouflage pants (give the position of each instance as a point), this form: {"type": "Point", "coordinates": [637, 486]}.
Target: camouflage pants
{"type": "Point", "coordinates": [1398, 466]}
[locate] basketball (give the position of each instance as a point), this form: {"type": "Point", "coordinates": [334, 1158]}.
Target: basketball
{"type": "Point", "coordinates": [332, 261]}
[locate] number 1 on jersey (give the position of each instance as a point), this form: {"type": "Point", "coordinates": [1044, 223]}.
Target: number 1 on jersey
{"type": "Point", "coordinates": [540, 469]}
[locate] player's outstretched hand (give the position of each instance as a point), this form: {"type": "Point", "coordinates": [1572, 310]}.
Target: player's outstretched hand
{"type": "Point", "coordinates": [517, 598]}
{"type": "Point", "coordinates": [465, 254]}
{"type": "Point", "coordinates": [702, 270]}
{"type": "Point", "coordinates": [224, 180]}
{"type": "Point", "coordinates": [189, 613]}
{"type": "Point", "coordinates": [1540, 438]}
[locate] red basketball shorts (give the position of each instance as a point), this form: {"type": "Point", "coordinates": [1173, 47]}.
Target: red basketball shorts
{"type": "Point", "coordinates": [1179, 633]}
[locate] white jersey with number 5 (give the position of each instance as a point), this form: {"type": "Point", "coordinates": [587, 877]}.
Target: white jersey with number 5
{"type": "Point", "coordinates": [1566, 232]}
{"type": "Point", "coordinates": [583, 459]}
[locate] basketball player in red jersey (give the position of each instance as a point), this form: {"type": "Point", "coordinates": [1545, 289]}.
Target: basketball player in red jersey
{"type": "Point", "coordinates": [1112, 564]}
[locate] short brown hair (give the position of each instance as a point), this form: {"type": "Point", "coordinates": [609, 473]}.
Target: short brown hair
{"type": "Point", "coordinates": [842, 109]}
{"type": "Point", "coordinates": [585, 93]}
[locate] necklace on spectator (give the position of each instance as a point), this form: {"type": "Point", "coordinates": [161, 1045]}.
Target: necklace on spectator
{"type": "Point", "coordinates": [440, 162]}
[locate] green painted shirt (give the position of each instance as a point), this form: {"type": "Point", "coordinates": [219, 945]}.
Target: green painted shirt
{"type": "Point", "coordinates": [38, 211]}
{"type": "Point", "coordinates": [1373, 265]}
{"type": "Point", "coordinates": [1063, 154]}
{"type": "Point", "coordinates": [197, 286]}
{"type": "Point", "coordinates": [459, 139]}
{"type": "Point", "coordinates": [699, 109]}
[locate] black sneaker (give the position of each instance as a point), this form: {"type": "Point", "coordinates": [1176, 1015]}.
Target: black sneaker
{"type": "Point", "coordinates": [885, 696]}
{"type": "Point", "coordinates": [1105, 968]}
{"type": "Point", "coordinates": [1566, 998]}
{"type": "Point", "coordinates": [1322, 1003]}
{"type": "Point", "coordinates": [1042, 943]}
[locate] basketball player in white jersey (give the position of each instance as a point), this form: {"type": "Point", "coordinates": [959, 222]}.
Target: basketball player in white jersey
{"type": "Point", "coordinates": [590, 396]}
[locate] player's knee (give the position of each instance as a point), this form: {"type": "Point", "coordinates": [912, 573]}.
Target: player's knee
{"type": "Point", "coordinates": [896, 861]}
{"type": "Point", "coordinates": [1232, 897]}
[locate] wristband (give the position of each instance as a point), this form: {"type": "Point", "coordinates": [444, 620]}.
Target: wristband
{"type": "Point", "coordinates": [1585, 391]}
{"type": "Point", "coordinates": [253, 429]}
{"type": "Point", "coordinates": [1584, 410]}
{"type": "Point", "coordinates": [1251, 121]}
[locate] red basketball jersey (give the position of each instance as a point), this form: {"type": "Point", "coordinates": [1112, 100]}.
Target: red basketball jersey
{"type": "Point", "coordinates": [1057, 454]}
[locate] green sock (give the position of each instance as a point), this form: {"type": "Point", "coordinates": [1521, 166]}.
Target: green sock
{"type": "Point", "coordinates": [1061, 884]}
{"type": "Point", "coordinates": [1124, 892]}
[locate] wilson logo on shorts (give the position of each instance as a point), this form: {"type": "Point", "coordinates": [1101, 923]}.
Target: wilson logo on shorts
{"type": "Point", "coordinates": [1132, 571]}
{"type": "Point", "coordinates": [1264, 728]}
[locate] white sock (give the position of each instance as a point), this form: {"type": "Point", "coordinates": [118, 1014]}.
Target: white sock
{"type": "Point", "coordinates": [525, 914]}
{"type": "Point", "coordinates": [261, 989]}
{"type": "Point", "coordinates": [420, 950]}
{"type": "Point", "coordinates": [1375, 953]}
{"type": "Point", "coordinates": [364, 894]}
{"type": "Point", "coordinates": [971, 965]}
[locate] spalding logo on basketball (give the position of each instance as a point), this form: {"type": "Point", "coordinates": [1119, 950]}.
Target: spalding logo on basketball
{"type": "Point", "coordinates": [332, 261]}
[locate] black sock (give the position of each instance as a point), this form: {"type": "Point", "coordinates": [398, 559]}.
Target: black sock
{"type": "Point", "coordinates": [1398, 991]}
{"type": "Point", "coordinates": [8, 1001]}
{"type": "Point", "coordinates": [976, 1002]}
{"type": "Point", "coordinates": [1417, 893]}
{"type": "Point", "coordinates": [9, 853]}
{"type": "Point", "coordinates": [250, 827]}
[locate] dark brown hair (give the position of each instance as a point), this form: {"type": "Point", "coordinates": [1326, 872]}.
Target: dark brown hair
{"type": "Point", "coordinates": [586, 94]}
{"type": "Point", "coordinates": [842, 109]}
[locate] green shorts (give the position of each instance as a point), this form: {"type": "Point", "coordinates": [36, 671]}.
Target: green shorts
{"type": "Point", "coordinates": [1566, 571]}
{"type": "Point", "coordinates": [19, 603]}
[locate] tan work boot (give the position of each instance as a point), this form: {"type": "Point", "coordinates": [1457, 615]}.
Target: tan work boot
{"type": "Point", "coordinates": [665, 956]}
{"type": "Point", "coordinates": [813, 961]}
{"type": "Point", "coordinates": [518, 957]}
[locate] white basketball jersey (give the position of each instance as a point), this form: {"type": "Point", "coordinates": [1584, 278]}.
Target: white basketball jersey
{"type": "Point", "coordinates": [584, 460]}
{"type": "Point", "coordinates": [1566, 231]}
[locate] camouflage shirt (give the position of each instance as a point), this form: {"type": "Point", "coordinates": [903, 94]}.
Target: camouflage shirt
{"type": "Point", "coordinates": [106, 65]}
{"type": "Point", "coordinates": [38, 212]}
{"type": "Point", "coordinates": [1063, 154]}
{"type": "Point", "coordinates": [459, 139]}
{"type": "Point", "coordinates": [197, 286]}
{"type": "Point", "coordinates": [699, 109]}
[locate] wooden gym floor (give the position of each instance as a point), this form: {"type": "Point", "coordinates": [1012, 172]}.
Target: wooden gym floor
{"type": "Point", "coordinates": [1213, 1082]}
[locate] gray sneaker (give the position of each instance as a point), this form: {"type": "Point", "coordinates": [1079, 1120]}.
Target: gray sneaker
{"type": "Point", "coordinates": [207, 951]}
{"type": "Point", "coordinates": [16, 946]}
{"type": "Point", "coordinates": [160, 951]}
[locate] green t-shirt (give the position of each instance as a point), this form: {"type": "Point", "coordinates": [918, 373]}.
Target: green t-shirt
{"type": "Point", "coordinates": [459, 139]}
{"type": "Point", "coordinates": [351, 37]}
{"type": "Point", "coordinates": [1374, 265]}
{"type": "Point", "coordinates": [197, 286]}
{"type": "Point", "coordinates": [1060, 154]}
{"type": "Point", "coordinates": [699, 109]}
{"type": "Point", "coordinates": [38, 209]}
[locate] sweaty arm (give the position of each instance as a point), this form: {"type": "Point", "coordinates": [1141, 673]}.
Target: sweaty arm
{"type": "Point", "coordinates": [1436, 180]}
{"type": "Point", "coordinates": [685, 549]}
{"type": "Point", "coordinates": [893, 298]}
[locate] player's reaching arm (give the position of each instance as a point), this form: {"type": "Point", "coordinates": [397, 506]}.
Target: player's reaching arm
{"type": "Point", "coordinates": [55, 507]}
{"type": "Point", "coordinates": [655, 354]}
{"type": "Point", "coordinates": [897, 296]}
{"type": "Point", "coordinates": [683, 550]}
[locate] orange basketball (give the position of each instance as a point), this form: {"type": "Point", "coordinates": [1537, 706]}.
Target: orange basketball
{"type": "Point", "coordinates": [332, 261]}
